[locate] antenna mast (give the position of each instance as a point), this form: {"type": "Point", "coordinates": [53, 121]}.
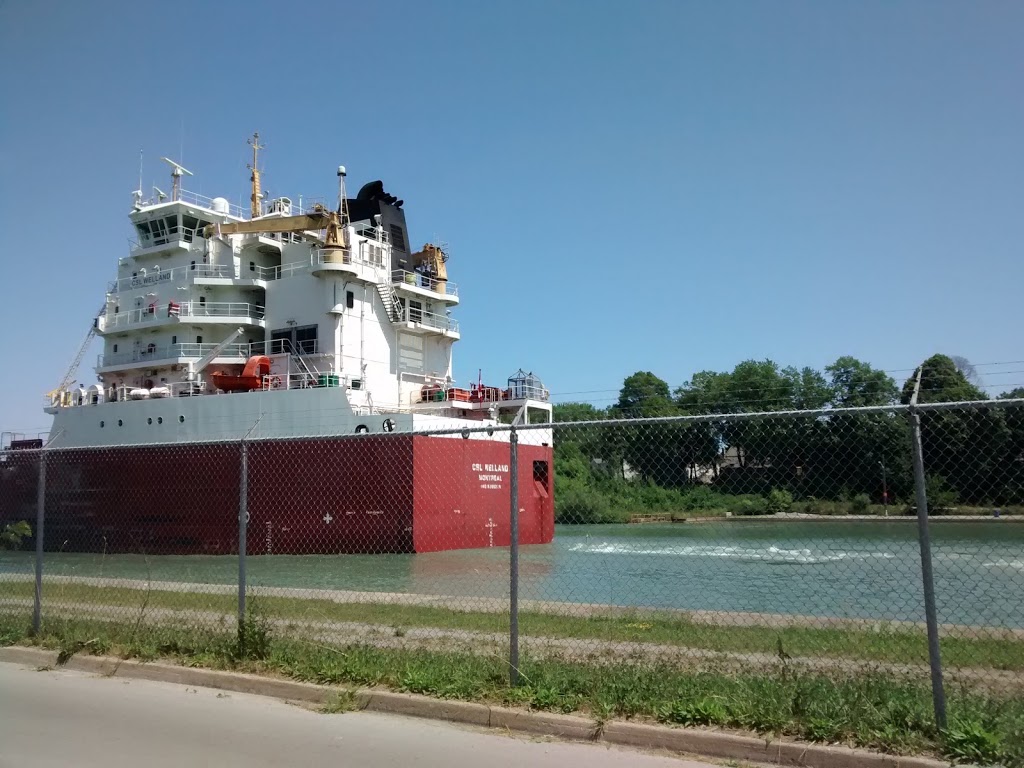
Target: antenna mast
{"type": "Point", "coordinates": [176, 172]}
{"type": "Point", "coordinates": [254, 142]}
{"type": "Point", "coordinates": [342, 197]}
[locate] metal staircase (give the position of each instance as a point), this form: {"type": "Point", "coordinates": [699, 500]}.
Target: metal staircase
{"type": "Point", "coordinates": [311, 375]}
{"type": "Point", "coordinates": [389, 297]}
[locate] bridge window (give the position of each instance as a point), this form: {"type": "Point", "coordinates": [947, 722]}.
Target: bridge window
{"type": "Point", "coordinates": [350, 299]}
{"type": "Point", "coordinates": [190, 224]}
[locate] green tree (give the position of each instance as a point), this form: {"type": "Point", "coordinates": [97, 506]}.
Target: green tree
{"type": "Point", "coordinates": [644, 394]}
{"type": "Point", "coordinates": [855, 384]}
{"type": "Point", "coordinates": [577, 412]}
{"type": "Point", "coordinates": [648, 449]}
{"type": "Point", "coordinates": [597, 443]}
{"type": "Point", "coordinates": [1010, 474]}
{"type": "Point", "coordinates": [965, 447]}
{"type": "Point", "coordinates": [863, 453]}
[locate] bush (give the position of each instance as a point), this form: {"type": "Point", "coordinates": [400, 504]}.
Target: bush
{"type": "Point", "coordinates": [860, 503]}
{"type": "Point", "coordinates": [940, 495]}
{"type": "Point", "coordinates": [746, 505]}
{"type": "Point", "coordinates": [779, 501]}
{"type": "Point", "coordinates": [701, 497]}
{"type": "Point", "coordinates": [12, 534]}
{"type": "Point", "coordinates": [582, 505]}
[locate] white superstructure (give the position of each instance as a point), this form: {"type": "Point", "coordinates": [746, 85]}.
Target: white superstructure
{"type": "Point", "coordinates": [325, 317]}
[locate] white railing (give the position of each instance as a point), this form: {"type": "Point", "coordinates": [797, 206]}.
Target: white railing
{"type": "Point", "coordinates": [349, 256]}
{"type": "Point", "coordinates": [152, 353]}
{"type": "Point", "coordinates": [281, 346]}
{"type": "Point", "coordinates": [276, 273]}
{"type": "Point", "coordinates": [304, 380]}
{"type": "Point", "coordinates": [156, 276]}
{"type": "Point", "coordinates": [405, 277]}
{"type": "Point", "coordinates": [430, 319]}
{"type": "Point", "coordinates": [202, 201]}
{"type": "Point", "coordinates": [372, 233]}
{"type": "Point", "coordinates": [154, 313]}
{"type": "Point", "coordinates": [222, 309]}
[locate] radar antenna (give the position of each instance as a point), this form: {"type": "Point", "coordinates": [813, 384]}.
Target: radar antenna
{"type": "Point", "coordinates": [176, 172]}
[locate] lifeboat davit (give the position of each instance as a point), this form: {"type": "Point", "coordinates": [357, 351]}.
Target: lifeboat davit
{"type": "Point", "coordinates": [251, 378]}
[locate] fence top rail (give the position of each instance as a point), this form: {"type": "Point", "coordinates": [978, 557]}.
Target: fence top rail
{"type": "Point", "coordinates": [52, 443]}
{"type": "Point", "coordinates": [966, 405]}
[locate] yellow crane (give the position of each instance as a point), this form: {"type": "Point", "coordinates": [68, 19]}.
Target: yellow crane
{"type": "Point", "coordinates": [320, 218]}
{"type": "Point", "coordinates": [432, 262]}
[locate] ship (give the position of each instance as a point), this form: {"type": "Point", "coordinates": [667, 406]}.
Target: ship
{"type": "Point", "coordinates": [292, 362]}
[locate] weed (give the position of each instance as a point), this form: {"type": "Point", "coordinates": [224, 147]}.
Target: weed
{"type": "Point", "coordinates": [971, 742]}
{"type": "Point", "coordinates": [343, 700]}
{"type": "Point", "coordinates": [705, 711]}
{"type": "Point", "coordinates": [883, 643]}
{"type": "Point", "coordinates": [881, 711]}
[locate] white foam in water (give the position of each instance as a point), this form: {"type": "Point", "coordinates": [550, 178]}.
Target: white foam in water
{"type": "Point", "coordinates": [1016, 564]}
{"type": "Point", "coordinates": [772, 554]}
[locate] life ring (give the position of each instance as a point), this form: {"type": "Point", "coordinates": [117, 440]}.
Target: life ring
{"type": "Point", "coordinates": [275, 382]}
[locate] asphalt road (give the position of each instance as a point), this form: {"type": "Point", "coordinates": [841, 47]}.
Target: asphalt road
{"type": "Point", "coordinates": [62, 718]}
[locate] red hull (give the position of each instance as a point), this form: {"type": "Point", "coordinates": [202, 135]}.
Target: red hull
{"type": "Point", "coordinates": [370, 494]}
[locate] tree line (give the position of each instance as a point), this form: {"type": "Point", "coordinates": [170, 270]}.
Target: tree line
{"type": "Point", "coordinates": [972, 456]}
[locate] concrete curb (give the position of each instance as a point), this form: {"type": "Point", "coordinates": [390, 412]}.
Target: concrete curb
{"type": "Point", "coordinates": [689, 741]}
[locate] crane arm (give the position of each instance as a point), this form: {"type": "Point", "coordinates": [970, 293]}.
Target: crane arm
{"type": "Point", "coordinates": [319, 218]}
{"type": "Point", "coordinates": [304, 223]}
{"type": "Point", "coordinates": [82, 349]}
{"type": "Point", "coordinates": [205, 360]}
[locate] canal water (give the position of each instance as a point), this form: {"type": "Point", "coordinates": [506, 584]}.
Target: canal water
{"type": "Point", "coordinates": [844, 569]}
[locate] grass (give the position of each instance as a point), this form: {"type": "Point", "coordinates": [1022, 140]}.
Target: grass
{"type": "Point", "coordinates": [872, 711]}
{"type": "Point", "coordinates": [886, 644]}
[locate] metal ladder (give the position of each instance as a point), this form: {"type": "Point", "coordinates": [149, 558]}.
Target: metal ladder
{"type": "Point", "coordinates": [311, 376]}
{"type": "Point", "coordinates": [389, 298]}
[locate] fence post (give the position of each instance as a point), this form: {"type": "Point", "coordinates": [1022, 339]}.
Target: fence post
{"type": "Point", "coordinates": [924, 541]}
{"type": "Point", "coordinates": [513, 586]}
{"type": "Point", "coordinates": [243, 524]}
{"type": "Point", "coordinates": [37, 602]}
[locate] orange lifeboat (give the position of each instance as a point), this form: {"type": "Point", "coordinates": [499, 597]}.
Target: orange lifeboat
{"type": "Point", "coordinates": [251, 378]}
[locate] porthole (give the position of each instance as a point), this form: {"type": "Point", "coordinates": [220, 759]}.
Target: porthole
{"type": "Point", "coordinates": [389, 425]}
{"type": "Point", "coordinates": [362, 429]}
{"type": "Point", "coordinates": [120, 423]}
{"type": "Point", "coordinates": [159, 419]}
{"type": "Point", "coordinates": [101, 425]}
{"type": "Point", "coordinates": [181, 419]}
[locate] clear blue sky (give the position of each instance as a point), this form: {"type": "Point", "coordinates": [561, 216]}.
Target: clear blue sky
{"type": "Point", "coordinates": [670, 186]}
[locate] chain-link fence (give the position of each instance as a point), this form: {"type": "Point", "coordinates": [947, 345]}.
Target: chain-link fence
{"type": "Point", "coordinates": [725, 547]}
